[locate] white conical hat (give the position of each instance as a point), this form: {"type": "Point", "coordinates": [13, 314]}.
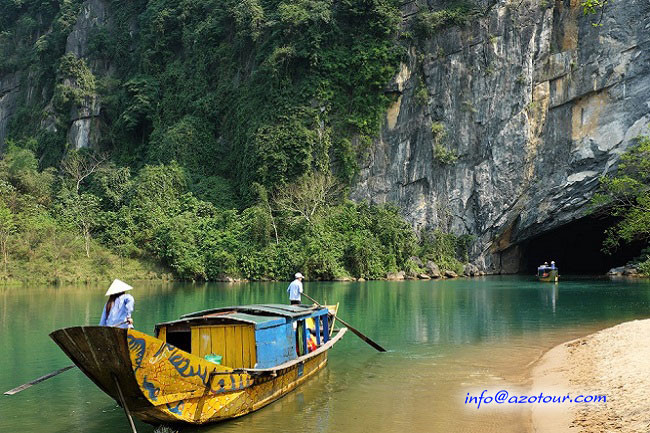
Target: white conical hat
{"type": "Point", "coordinates": [117, 286]}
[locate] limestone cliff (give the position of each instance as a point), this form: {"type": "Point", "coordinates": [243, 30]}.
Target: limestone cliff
{"type": "Point", "coordinates": [21, 88]}
{"type": "Point", "coordinates": [84, 124]}
{"type": "Point", "coordinates": [500, 129]}
{"type": "Point", "coordinates": [535, 101]}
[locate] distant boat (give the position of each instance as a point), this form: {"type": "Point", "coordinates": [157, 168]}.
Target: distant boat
{"type": "Point", "coordinates": [177, 376]}
{"type": "Point", "coordinates": [547, 274]}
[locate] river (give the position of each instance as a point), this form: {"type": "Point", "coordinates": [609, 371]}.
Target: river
{"type": "Point", "coordinates": [446, 338]}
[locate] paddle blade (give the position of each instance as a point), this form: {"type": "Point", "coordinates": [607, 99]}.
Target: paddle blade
{"type": "Point", "coordinates": [38, 380]}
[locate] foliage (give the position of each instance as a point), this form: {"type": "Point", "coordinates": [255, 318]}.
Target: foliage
{"type": "Point", "coordinates": [216, 190]}
{"type": "Point", "coordinates": [427, 23]}
{"type": "Point", "coordinates": [76, 84]}
{"type": "Point", "coordinates": [7, 228]}
{"type": "Point", "coordinates": [296, 83]}
{"type": "Point", "coordinates": [115, 217]}
{"type": "Point", "coordinates": [594, 7]}
{"type": "Point", "coordinates": [78, 165]}
{"type": "Point", "coordinates": [306, 199]}
{"type": "Point", "coordinates": [19, 168]}
{"type": "Point", "coordinates": [46, 228]}
{"type": "Point", "coordinates": [323, 239]}
{"type": "Point", "coordinates": [447, 250]}
{"type": "Point", "coordinates": [422, 93]}
{"type": "Point", "coordinates": [440, 153]}
{"type": "Point", "coordinates": [232, 126]}
{"type": "Point", "coordinates": [644, 267]}
{"type": "Point", "coordinates": [81, 211]}
{"type": "Point", "coordinates": [626, 195]}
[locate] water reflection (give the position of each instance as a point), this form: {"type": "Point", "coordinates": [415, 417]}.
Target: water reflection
{"type": "Point", "coordinates": [443, 335]}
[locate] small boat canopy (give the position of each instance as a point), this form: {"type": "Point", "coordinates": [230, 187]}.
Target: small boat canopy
{"type": "Point", "coordinates": [271, 334]}
{"type": "Point", "coordinates": [291, 311]}
{"type": "Point", "coordinates": [262, 316]}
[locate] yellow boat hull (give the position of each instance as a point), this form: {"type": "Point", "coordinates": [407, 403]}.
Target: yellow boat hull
{"type": "Point", "coordinates": [163, 384]}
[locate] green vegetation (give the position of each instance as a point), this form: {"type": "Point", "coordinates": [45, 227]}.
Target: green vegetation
{"type": "Point", "coordinates": [440, 153]}
{"type": "Point", "coordinates": [643, 262]}
{"type": "Point", "coordinates": [594, 7]}
{"type": "Point", "coordinates": [427, 23]}
{"type": "Point", "coordinates": [95, 220]}
{"type": "Point", "coordinates": [227, 134]}
{"type": "Point", "coordinates": [45, 230]}
{"type": "Point", "coordinates": [626, 195]}
{"type": "Point", "coordinates": [422, 93]}
{"type": "Point", "coordinates": [468, 107]}
{"type": "Point", "coordinates": [445, 249]}
{"type": "Point", "coordinates": [267, 91]}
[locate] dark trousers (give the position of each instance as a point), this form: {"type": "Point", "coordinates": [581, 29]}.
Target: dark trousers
{"type": "Point", "coordinates": [295, 302]}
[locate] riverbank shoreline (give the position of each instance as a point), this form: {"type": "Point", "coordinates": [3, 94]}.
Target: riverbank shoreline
{"type": "Point", "coordinates": [613, 362]}
{"type": "Point", "coordinates": [169, 278]}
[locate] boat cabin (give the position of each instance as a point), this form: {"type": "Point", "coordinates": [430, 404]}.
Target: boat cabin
{"type": "Point", "coordinates": [252, 336]}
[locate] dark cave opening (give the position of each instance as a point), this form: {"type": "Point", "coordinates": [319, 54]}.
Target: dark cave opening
{"type": "Point", "coordinates": [576, 248]}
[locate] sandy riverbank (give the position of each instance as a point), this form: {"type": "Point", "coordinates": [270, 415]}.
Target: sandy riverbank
{"type": "Point", "coordinates": [614, 362]}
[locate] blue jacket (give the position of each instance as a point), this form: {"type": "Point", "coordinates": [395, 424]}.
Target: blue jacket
{"type": "Point", "coordinates": [121, 310]}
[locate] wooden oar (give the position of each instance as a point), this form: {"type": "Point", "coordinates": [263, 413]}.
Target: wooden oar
{"type": "Point", "coordinates": [24, 386]}
{"type": "Point", "coordinates": [351, 328]}
{"type": "Point", "coordinates": [39, 380]}
{"type": "Point", "coordinates": [124, 406]}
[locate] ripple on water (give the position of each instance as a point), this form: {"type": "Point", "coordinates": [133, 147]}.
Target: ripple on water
{"type": "Point", "coordinates": [445, 339]}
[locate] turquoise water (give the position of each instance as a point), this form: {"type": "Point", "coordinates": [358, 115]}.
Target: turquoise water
{"type": "Point", "coordinates": [445, 337]}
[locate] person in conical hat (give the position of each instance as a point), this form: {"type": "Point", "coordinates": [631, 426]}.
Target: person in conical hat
{"type": "Point", "coordinates": [118, 308]}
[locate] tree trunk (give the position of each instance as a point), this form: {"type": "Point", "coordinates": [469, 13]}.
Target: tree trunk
{"type": "Point", "coordinates": [87, 241]}
{"type": "Point", "coordinates": [5, 254]}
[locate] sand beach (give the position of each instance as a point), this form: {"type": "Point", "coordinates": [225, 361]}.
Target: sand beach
{"type": "Point", "coordinates": [614, 362]}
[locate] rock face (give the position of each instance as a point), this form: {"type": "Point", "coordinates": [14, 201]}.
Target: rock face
{"type": "Point", "coordinates": [396, 276]}
{"type": "Point", "coordinates": [535, 102]}
{"type": "Point", "coordinates": [500, 128]}
{"type": "Point", "coordinates": [84, 128]}
{"type": "Point", "coordinates": [627, 270]}
{"type": "Point", "coordinates": [433, 270]}
{"type": "Point", "coordinates": [9, 91]}
{"type": "Point", "coordinates": [19, 87]}
{"type": "Point", "coordinates": [471, 270]}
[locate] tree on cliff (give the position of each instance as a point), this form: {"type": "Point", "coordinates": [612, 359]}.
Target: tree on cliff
{"type": "Point", "coordinates": [626, 195]}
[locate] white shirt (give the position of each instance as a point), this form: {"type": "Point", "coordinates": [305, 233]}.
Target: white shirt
{"type": "Point", "coordinates": [295, 289]}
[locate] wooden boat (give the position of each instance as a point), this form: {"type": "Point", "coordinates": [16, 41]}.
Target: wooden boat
{"type": "Point", "coordinates": [166, 378]}
{"type": "Point", "coordinates": [548, 274]}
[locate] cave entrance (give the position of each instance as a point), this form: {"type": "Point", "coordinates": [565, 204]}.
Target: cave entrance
{"type": "Point", "coordinates": [576, 248]}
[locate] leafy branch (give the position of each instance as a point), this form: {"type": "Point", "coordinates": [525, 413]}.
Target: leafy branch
{"type": "Point", "coordinates": [593, 7]}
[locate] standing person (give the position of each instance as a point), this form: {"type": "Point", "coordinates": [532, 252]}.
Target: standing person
{"type": "Point", "coordinates": [295, 289]}
{"type": "Point", "coordinates": [118, 308]}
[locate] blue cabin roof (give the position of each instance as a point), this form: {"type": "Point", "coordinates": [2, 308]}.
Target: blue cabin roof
{"type": "Point", "coordinates": [275, 330]}
{"type": "Point", "coordinates": [260, 315]}
{"type": "Point", "coordinates": [260, 310]}
{"type": "Point", "coordinates": [260, 322]}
